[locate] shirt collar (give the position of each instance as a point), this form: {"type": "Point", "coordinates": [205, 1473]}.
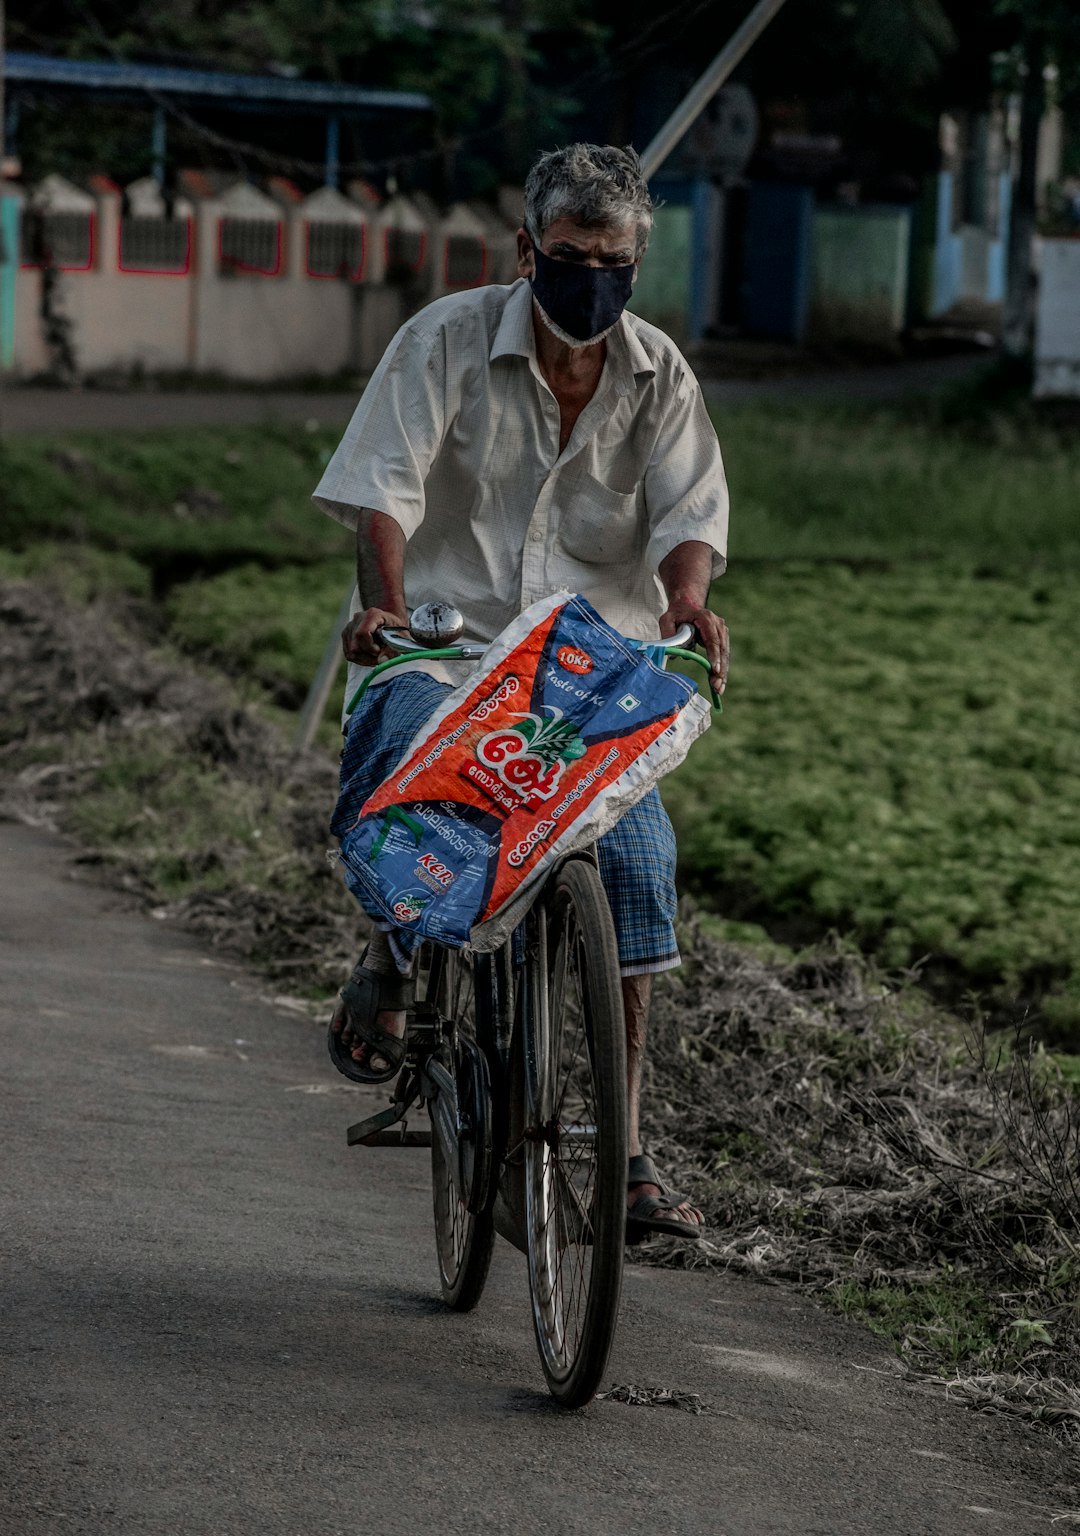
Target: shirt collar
{"type": "Point", "coordinates": [514, 337]}
{"type": "Point", "coordinates": [627, 357]}
{"type": "Point", "coordinates": [630, 359]}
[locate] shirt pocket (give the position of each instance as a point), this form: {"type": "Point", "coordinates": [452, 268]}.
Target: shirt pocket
{"type": "Point", "coordinates": [598, 525]}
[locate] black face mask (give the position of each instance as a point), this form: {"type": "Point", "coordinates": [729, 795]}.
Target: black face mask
{"type": "Point", "coordinates": [582, 301]}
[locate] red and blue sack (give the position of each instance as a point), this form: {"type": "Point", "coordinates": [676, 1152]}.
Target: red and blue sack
{"type": "Point", "coordinates": [564, 726]}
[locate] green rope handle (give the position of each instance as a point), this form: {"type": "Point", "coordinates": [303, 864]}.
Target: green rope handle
{"type": "Point", "coordinates": [705, 664]}
{"type": "Point", "coordinates": [455, 653]}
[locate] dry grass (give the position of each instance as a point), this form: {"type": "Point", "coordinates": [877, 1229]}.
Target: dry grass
{"type": "Point", "coordinates": [841, 1135]}
{"type": "Point", "coordinates": [188, 799]}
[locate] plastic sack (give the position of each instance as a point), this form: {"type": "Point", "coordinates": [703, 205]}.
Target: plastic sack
{"type": "Point", "coordinates": [565, 726]}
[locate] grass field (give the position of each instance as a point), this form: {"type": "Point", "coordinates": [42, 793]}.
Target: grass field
{"type": "Point", "coordinates": [180, 503]}
{"type": "Point", "coordinates": [897, 758]}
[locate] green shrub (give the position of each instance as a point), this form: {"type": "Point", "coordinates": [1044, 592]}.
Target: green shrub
{"type": "Point", "coordinates": [269, 625]}
{"type": "Point", "coordinates": [78, 572]}
{"type": "Point", "coordinates": [884, 485]}
{"type": "Point", "coordinates": [179, 502]}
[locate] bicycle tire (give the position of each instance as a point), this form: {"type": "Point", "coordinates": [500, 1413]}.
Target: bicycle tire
{"type": "Point", "coordinates": [464, 1239]}
{"type": "Point", "coordinates": [574, 1044]}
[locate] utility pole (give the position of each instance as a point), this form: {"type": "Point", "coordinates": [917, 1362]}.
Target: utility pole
{"type": "Point", "coordinates": [697, 99]}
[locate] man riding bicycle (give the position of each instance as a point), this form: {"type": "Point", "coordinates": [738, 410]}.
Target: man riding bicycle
{"type": "Point", "coordinates": [514, 442]}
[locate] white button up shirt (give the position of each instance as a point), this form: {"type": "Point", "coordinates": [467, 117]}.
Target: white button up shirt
{"type": "Point", "coordinates": [456, 438]}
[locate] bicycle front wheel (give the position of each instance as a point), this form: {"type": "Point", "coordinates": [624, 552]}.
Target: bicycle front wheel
{"type": "Point", "coordinates": [574, 1043]}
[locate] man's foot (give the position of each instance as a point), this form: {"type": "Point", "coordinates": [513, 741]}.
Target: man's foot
{"type": "Point", "coordinates": [390, 1021]}
{"type": "Point", "coordinates": [652, 1207]}
{"type": "Point", "coordinates": [367, 1030]}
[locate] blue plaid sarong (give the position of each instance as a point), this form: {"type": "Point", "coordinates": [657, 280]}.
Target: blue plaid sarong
{"type": "Point", "coordinates": [636, 858]}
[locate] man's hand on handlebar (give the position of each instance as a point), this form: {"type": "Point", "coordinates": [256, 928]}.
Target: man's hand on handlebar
{"type": "Point", "coordinates": [711, 630]}
{"type": "Point", "coordinates": [358, 637]}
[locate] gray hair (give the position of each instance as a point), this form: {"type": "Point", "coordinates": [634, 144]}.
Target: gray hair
{"type": "Point", "coordinates": [596, 185]}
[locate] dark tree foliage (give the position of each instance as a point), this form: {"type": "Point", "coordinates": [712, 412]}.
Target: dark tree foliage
{"type": "Point", "coordinates": [509, 77]}
{"type": "Point", "coordinates": [481, 62]}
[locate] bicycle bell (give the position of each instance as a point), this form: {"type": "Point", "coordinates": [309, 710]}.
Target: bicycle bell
{"type": "Point", "coordinates": [436, 624]}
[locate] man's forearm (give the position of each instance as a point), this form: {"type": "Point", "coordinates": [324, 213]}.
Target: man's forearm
{"type": "Point", "coordinates": [687, 572]}
{"type": "Point", "coordinates": [380, 561]}
{"type": "Point", "coordinates": [687, 575]}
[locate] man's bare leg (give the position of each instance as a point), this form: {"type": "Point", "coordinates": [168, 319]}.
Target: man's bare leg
{"type": "Point", "coordinates": [378, 958]}
{"type": "Point", "coordinates": [637, 991]}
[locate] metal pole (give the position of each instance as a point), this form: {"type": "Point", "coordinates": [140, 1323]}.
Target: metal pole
{"type": "Point", "coordinates": [158, 146]}
{"type": "Point", "coordinates": [323, 681]}
{"type": "Point", "coordinates": [333, 152]}
{"type": "Point", "coordinates": [693, 104]}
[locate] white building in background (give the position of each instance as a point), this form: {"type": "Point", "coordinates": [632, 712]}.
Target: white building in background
{"type": "Point", "coordinates": [129, 279]}
{"type": "Point", "coordinates": [228, 279]}
{"type": "Point", "coordinates": [1057, 320]}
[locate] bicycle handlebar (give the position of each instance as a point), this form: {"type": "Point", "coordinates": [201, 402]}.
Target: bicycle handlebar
{"type": "Point", "coordinates": [469, 649]}
{"type": "Point", "coordinates": [408, 648]}
{"type": "Point", "coordinates": [405, 644]}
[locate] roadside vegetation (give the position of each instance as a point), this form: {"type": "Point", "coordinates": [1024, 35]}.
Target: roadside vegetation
{"type": "Point", "coordinates": [897, 760]}
{"type": "Point", "coordinates": [842, 1134]}
{"type": "Point", "coordinates": [880, 835]}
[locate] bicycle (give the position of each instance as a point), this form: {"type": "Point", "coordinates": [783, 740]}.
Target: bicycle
{"type": "Point", "coordinates": [519, 1057]}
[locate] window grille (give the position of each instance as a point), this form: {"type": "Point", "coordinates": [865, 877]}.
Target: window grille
{"type": "Point", "coordinates": [466, 261]}
{"type": "Point", "coordinates": [64, 240]}
{"type": "Point", "coordinates": [155, 245]}
{"type": "Point", "coordinates": [405, 250]}
{"type": "Point", "coordinates": [336, 250]}
{"type": "Point", "coordinates": [250, 245]}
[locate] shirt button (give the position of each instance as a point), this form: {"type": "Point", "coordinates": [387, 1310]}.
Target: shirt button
{"type": "Point", "coordinates": [537, 535]}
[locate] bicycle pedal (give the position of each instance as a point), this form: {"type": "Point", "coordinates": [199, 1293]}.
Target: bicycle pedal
{"type": "Point", "coordinates": [361, 1130]}
{"type": "Point", "coordinates": [387, 1130]}
{"type": "Point", "coordinates": [395, 1138]}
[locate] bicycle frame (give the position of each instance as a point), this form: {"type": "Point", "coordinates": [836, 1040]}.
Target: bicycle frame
{"type": "Point", "coordinates": [425, 1080]}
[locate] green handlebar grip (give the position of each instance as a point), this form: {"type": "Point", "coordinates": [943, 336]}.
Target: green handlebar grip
{"type": "Point", "coordinates": [447, 653]}
{"type": "Point", "coordinates": [703, 662]}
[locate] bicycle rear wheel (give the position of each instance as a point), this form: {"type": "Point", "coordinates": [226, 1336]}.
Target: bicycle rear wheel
{"type": "Point", "coordinates": [464, 1237]}
{"type": "Point", "coordinates": [574, 1043]}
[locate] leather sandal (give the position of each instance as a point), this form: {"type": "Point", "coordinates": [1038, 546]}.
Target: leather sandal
{"type": "Point", "coordinates": [655, 1213]}
{"type": "Point", "coordinates": [367, 994]}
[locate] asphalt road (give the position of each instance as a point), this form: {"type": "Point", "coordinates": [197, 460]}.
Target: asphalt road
{"type": "Point", "coordinates": [217, 1318]}
{"type": "Point", "coordinates": [29, 408]}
